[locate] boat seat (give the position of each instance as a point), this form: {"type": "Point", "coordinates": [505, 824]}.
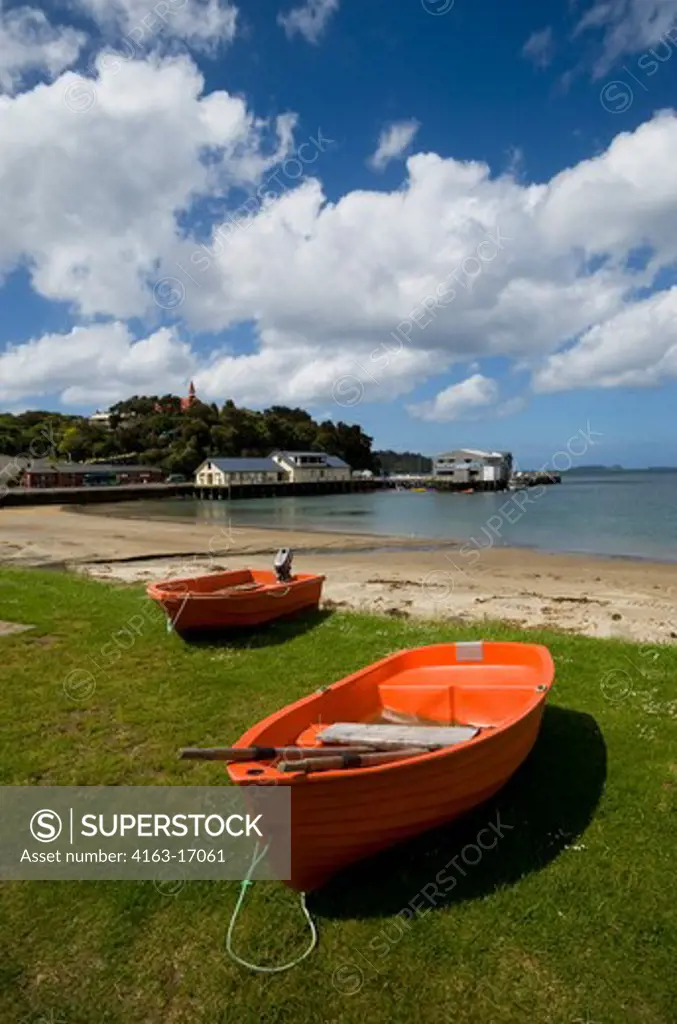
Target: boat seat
{"type": "Point", "coordinates": [448, 703]}
{"type": "Point", "coordinates": [492, 704]}
{"type": "Point", "coordinates": [239, 588]}
{"type": "Point", "coordinates": [432, 703]}
{"type": "Point", "coordinates": [475, 673]}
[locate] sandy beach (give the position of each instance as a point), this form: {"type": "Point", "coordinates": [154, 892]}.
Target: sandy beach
{"type": "Point", "coordinates": [603, 597]}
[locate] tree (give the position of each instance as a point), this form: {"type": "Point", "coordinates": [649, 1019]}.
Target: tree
{"type": "Point", "coordinates": [157, 431]}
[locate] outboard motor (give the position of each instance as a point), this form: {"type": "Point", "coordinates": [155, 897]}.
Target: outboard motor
{"type": "Point", "coordinates": [282, 564]}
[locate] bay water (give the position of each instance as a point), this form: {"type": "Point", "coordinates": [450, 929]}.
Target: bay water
{"type": "Point", "coordinates": [631, 514]}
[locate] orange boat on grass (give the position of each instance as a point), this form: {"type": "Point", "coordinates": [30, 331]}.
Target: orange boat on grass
{"type": "Point", "coordinates": [498, 690]}
{"type": "Point", "coordinates": [238, 599]}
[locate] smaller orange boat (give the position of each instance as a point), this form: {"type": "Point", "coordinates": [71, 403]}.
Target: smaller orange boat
{"type": "Point", "coordinates": [238, 599]}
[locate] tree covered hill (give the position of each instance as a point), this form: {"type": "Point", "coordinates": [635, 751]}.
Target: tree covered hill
{"type": "Point", "coordinates": [156, 431]}
{"type": "Point", "coordinates": [404, 462]}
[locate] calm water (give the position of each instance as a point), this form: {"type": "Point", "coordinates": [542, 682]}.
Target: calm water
{"type": "Point", "coordinates": [627, 514]}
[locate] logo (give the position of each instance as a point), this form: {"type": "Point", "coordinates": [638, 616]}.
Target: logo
{"type": "Point", "coordinates": [348, 979]}
{"type": "Point", "coordinates": [616, 97]}
{"type": "Point", "coordinates": [169, 293]}
{"type": "Point", "coordinates": [437, 7]}
{"type": "Point", "coordinates": [438, 584]}
{"type": "Point", "coordinates": [616, 685]}
{"type": "Point", "coordinates": [348, 390]}
{"type": "Point", "coordinates": [169, 886]}
{"type": "Point", "coordinates": [80, 96]}
{"type": "Point", "coordinates": [46, 826]}
{"type": "Point", "coordinates": [79, 685]}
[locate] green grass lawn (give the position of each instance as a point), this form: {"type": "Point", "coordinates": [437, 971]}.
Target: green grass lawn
{"type": "Point", "coordinates": [569, 918]}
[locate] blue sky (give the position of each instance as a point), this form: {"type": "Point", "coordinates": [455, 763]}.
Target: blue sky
{"type": "Point", "coordinates": [113, 174]}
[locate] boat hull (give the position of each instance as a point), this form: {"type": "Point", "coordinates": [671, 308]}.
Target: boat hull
{"type": "Point", "coordinates": [330, 834]}
{"type": "Point", "coordinates": [340, 817]}
{"type": "Point", "coordinates": [234, 600]}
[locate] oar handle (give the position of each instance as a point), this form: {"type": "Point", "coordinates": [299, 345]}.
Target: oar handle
{"type": "Point", "coordinates": [264, 753]}
{"type": "Point", "coordinates": [227, 754]}
{"type": "Point", "coordinates": [350, 760]}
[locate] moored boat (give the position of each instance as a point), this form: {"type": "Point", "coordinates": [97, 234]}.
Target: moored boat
{"type": "Point", "coordinates": [237, 599]}
{"type": "Point", "coordinates": [492, 694]}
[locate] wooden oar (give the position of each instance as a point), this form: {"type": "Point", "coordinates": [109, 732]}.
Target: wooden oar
{"type": "Point", "coordinates": [349, 760]}
{"type": "Point", "coordinates": [264, 753]}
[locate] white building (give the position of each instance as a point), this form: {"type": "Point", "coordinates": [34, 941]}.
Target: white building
{"type": "Point", "coordinates": [466, 465]}
{"type": "Point", "coordinates": [222, 472]}
{"type": "Point", "coordinates": [312, 467]}
{"type": "Point", "coordinates": [100, 419]}
{"type": "Point", "coordinates": [281, 467]}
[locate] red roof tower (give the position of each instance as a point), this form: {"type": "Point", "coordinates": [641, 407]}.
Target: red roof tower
{"type": "Point", "coordinates": [192, 397]}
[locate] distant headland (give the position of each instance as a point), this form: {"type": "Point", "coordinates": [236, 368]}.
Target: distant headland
{"type": "Point", "coordinates": [594, 470]}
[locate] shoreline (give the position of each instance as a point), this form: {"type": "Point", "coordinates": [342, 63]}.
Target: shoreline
{"type": "Point", "coordinates": [390, 540]}
{"type": "Point", "coordinates": [602, 596]}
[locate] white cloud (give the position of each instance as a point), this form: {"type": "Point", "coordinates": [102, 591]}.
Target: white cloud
{"type": "Point", "coordinates": [623, 198]}
{"type": "Point", "coordinates": [102, 363]}
{"type": "Point", "coordinates": [309, 20]}
{"type": "Point", "coordinates": [627, 26]}
{"type": "Point", "coordinates": [469, 265]}
{"type": "Point", "coordinates": [464, 400]}
{"type": "Point", "coordinates": [316, 276]}
{"type": "Point", "coordinates": [345, 273]}
{"type": "Point", "coordinates": [146, 24]}
{"type": "Point", "coordinates": [90, 197]}
{"type": "Point", "coordinates": [29, 43]}
{"type": "Point", "coordinates": [539, 48]}
{"type": "Point", "coordinates": [392, 142]}
{"type": "Point", "coordinates": [95, 365]}
{"type": "Point", "coordinates": [291, 370]}
{"type": "Point", "coordinates": [636, 348]}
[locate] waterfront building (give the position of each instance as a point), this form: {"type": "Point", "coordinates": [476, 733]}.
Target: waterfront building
{"type": "Point", "coordinates": [472, 465]}
{"type": "Point", "coordinates": [312, 467]}
{"type": "Point", "coordinates": [238, 471]}
{"type": "Point", "coordinates": [280, 467]}
{"type": "Point", "coordinates": [40, 474]}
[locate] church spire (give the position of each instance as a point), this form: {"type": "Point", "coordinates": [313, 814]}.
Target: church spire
{"type": "Point", "coordinates": [190, 400]}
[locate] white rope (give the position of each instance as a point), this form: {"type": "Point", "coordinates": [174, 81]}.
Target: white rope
{"type": "Point", "coordinates": [238, 906]}
{"type": "Point", "coordinates": [171, 623]}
